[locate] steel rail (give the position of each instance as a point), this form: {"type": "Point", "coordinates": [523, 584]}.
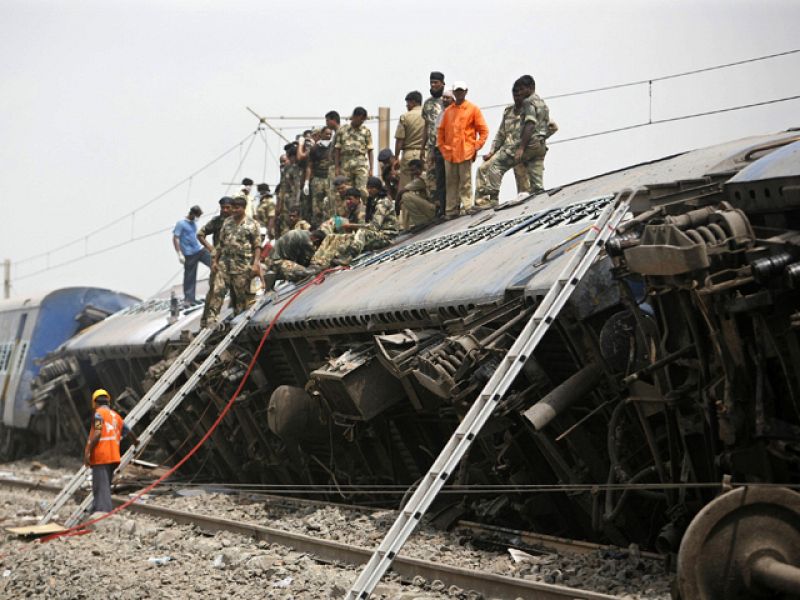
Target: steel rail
{"type": "Point", "coordinates": [490, 585]}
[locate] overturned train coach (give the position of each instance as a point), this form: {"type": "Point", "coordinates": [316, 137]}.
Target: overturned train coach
{"type": "Point", "coordinates": [30, 329]}
{"type": "Point", "coordinates": [673, 367]}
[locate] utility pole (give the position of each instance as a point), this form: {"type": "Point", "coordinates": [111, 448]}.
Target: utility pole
{"type": "Point", "coordinates": [7, 279]}
{"type": "Point", "coordinates": [383, 128]}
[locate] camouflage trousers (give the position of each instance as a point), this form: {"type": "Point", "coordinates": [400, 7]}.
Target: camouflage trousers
{"type": "Point", "coordinates": [404, 177]}
{"type": "Point", "coordinates": [237, 283]}
{"type": "Point", "coordinates": [434, 178]}
{"type": "Point", "coordinates": [419, 210]}
{"type": "Point", "coordinates": [333, 195]}
{"type": "Point", "coordinates": [288, 270]}
{"type": "Point", "coordinates": [281, 224]}
{"type": "Point", "coordinates": [320, 207]}
{"type": "Point", "coordinates": [213, 302]}
{"type": "Point", "coordinates": [528, 173]}
{"type": "Point", "coordinates": [337, 246]}
{"type": "Point", "coordinates": [371, 239]}
{"type": "Point", "coordinates": [356, 170]}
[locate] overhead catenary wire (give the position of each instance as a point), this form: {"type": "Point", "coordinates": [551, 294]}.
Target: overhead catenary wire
{"type": "Point", "coordinates": [139, 208]}
{"type": "Point", "coordinates": [242, 158]}
{"type": "Point", "coordinates": [278, 131]}
{"type": "Point", "coordinates": [672, 119]}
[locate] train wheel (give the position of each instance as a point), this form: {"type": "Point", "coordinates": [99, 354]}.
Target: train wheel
{"type": "Point", "coordinates": [743, 544]}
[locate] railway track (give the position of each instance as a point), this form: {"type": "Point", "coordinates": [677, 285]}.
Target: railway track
{"type": "Point", "coordinates": [488, 534]}
{"type": "Point", "coordinates": [490, 585]}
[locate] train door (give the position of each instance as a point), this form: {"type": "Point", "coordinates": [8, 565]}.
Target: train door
{"type": "Point", "coordinates": [13, 352]}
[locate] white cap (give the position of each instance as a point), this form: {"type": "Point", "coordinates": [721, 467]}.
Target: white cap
{"type": "Point", "coordinates": [460, 85]}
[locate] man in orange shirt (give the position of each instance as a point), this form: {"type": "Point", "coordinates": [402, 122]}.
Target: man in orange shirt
{"type": "Point", "coordinates": [102, 449]}
{"type": "Point", "coordinates": [462, 133]}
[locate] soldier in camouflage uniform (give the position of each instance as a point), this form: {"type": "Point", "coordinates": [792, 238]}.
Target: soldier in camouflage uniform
{"type": "Point", "coordinates": [430, 155]}
{"type": "Point", "coordinates": [382, 226]}
{"type": "Point", "coordinates": [344, 240]}
{"type": "Point", "coordinates": [212, 228]}
{"type": "Point", "coordinates": [265, 212]}
{"type": "Point", "coordinates": [352, 151]}
{"type": "Point", "coordinates": [295, 222]}
{"type": "Point", "coordinates": [290, 187]}
{"type": "Point", "coordinates": [339, 204]}
{"type": "Point", "coordinates": [292, 254]}
{"type": "Point", "coordinates": [317, 183]}
{"type": "Point", "coordinates": [533, 179]}
{"type": "Point", "coordinates": [420, 210]}
{"type": "Point", "coordinates": [236, 260]}
{"type": "Point", "coordinates": [516, 143]}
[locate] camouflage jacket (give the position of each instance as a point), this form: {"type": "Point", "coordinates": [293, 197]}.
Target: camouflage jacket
{"type": "Point", "coordinates": [511, 125]}
{"type": "Point", "coordinates": [302, 224]}
{"type": "Point", "coordinates": [384, 218]}
{"type": "Point", "coordinates": [542, 116]}
{"type": "Point", "coordinates": [238, 244]}
{"type": "Point", "coordinates": [353, 142]}
{"type": "Point", "coordinates": [212, 228]}
{"type": "Point", "coordinates": [291, 184]}
{"type": "Point", "coordinates": [294, 245]}
{"type": "Point", "coordinates": [265, 210]}
{"type": "Point", "coordinates": [431, 109]}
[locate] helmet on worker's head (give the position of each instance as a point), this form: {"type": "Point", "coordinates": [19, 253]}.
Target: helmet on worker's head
{"type": "Point", "coordinates": [100, 393]}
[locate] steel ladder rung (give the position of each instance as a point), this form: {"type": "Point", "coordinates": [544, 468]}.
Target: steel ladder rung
{"type": "Point", "coordinates": [478, 414]}
{"type": "Point", "coordinates": [165, 382]}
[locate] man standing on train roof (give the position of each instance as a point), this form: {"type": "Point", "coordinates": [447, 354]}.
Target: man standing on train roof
{"type": "Point", "coordinates": [408, 135]}
{"type": "Point", "coordinates": [515, 143]}
{"type": "Point", "coordinates": [530, 174]}
{"type": "Point", "coordinates": [431, 156]}
{"type": "Point", "coordinates": [213, 228]}
{"type": "Point", "coordinates": [352, 151]}
{"type": "Point", "coordinates": [238, 260]}
{"type": "Point", "coordinates": [461, 134]}
{"type": "Point", "coordinates": [190, 252]}
{"type": "Point", "coordinates": [102, 448]}
{"type": "Point", "coordinates": [265, 212]}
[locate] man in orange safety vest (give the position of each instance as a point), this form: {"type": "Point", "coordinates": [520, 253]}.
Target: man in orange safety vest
{"type": "Point", "coordinates": [102, 448]}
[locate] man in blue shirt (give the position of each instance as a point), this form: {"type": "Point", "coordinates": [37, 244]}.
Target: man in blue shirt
{"type": "Point", "coordinates": [190, 252]}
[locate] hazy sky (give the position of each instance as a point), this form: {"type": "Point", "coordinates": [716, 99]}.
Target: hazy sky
{"type": "Point", "coordinates": [107, 105]}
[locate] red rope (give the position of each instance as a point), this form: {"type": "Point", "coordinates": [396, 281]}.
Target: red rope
{"type": "Point", "coordinates": [81, 528]}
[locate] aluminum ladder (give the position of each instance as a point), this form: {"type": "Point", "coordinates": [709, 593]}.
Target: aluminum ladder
{"type": "Point", "coordinates": [483, 407]}
{"type": "Point", "coordinates": [147, 401]}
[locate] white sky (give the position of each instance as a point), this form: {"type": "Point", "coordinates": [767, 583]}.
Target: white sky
{"type": "Point", "coordinates": [105, 105]}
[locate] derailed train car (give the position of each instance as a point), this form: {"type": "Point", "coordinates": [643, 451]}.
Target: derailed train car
{"type": "Point", "coordinates": [31, 328]}
{"type": "Point", "coordinates": [672, 367]}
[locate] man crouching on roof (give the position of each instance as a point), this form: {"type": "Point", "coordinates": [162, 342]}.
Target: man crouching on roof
{"type": "Point", "coordinates": [292, 254]}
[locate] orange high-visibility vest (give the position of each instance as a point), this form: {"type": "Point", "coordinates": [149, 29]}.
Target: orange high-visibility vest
{"type": "Point", "coordinates": [107, 449]}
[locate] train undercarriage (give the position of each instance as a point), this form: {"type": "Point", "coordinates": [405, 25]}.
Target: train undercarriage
{"type": "Point", "coordinates": [671, 374]}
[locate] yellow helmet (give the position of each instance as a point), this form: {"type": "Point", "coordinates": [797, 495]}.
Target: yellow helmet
{"type": "Point", "coordinates": [97, 394]}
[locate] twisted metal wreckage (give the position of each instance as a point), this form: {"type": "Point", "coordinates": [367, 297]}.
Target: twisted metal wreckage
{"type": "Point", "coordinates": [672, 368]}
